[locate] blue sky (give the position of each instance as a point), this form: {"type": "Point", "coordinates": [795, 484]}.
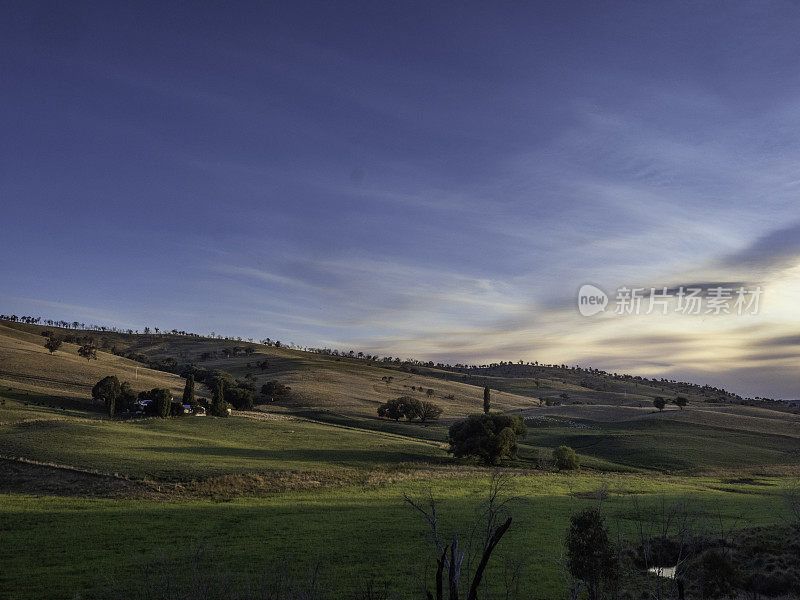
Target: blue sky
{"type": "Point", "coordinates": [425, 179]}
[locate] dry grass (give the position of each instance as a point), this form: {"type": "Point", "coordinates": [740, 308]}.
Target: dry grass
{"type": "Point", "coordinates": [26, 365]}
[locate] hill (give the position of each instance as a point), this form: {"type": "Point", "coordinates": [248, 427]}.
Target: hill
{"type": "Point", "coordinates": [317, 476]}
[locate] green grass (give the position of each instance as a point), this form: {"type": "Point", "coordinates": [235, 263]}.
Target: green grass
{"type": "Point", "coordinates": [668, 445]}
{"type": "Point", "coordinates": [89, 547]}
{"type": "Point", "coordinates": [196, 447]}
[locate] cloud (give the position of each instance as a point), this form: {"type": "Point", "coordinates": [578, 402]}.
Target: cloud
{"type": "Point", "coordinates": [777, 249]}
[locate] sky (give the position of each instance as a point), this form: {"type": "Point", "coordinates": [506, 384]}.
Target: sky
{"type": "Point", "coordinates": [432, 180]}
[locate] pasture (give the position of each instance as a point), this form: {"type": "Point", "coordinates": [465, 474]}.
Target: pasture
{"type": "Point", "coordinates": [317, 479]}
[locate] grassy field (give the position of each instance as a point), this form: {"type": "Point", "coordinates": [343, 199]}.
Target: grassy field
{"type": "Point", "coordinates": [96, 503]}
{"type": "Point", "coordinates": [199, 447]}
{"type": "Point", "coordinates": [64, 377]}
{"type": "Point", "coordinates": [347, 529]}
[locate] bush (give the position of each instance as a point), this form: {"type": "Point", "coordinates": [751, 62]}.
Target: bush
{"type": "Point", "coordinates": [717, 574]}
{"type": "Point", "coordinates": [566, 459]}
{"type": "Point", "coordinates": [489, 437]}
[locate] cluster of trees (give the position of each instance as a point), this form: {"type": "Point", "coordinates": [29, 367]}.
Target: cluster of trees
{"type": "Point", "coordinates": [660, 403]}
{"type": "Point", "coordinates": [492, 436]}
{"type": "Point", "coordinates": [488, 436]}
{"type": "Point", "coordinates": [225, 390]}
{"type": "Point", "coordinates": [115, 395]}
{"type": "Point", "coordinates": [54, 342]}
{"type": "Point", "coordinates": [591, 378]}
{"type": "Point", "coordinates": [274, 388]}
{"type": "Point", "coordinates": [120, 396]}
{"type": "Point", "coordinates": [408, 407]}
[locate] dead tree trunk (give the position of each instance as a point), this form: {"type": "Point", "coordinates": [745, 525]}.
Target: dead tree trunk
{"type": "Point", "coordinates": [454, 567]}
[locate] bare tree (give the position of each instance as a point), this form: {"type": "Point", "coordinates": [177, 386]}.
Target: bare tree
{"type": "Point", "coordinates": [451, 557]}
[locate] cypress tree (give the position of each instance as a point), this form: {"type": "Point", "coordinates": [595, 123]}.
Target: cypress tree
{"type": "Point", "coordinates": [219, 407]}
{"type": "Point", "coordinates": [188, 391]}
{"type": "Point", "coordinates": [487, 399]}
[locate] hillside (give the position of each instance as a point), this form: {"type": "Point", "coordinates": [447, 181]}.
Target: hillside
{"type": "Point", "coordinates": [319, 383]}
{"type": "Point", "coordinates": [64, 377]}
{"type": "Point", "coordinates": [319, 466]}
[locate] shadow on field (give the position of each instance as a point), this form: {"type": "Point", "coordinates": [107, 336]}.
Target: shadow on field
{"type": "Point", "coordinates": [304, 455]}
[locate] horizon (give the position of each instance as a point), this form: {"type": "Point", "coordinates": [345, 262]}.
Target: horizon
{"type": "Point", "coordinates": [411, 180]}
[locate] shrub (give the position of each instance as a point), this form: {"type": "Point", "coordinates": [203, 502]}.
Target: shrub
{"type": "Point", "coordinates": [489, 437]}
{"type": "Point", "coordinates": [565, 458]}
{"type": "Point", "coordinates": [717, 575]}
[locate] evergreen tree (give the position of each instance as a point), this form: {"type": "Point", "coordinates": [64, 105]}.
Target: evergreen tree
{"type": "Point", "coordinates": [219, 408]}
{"type": "Point", "coordinates": [487, 400]}
{"type": "Point", "coordinates": [188, 391]}
{"type": "Point", "coordinates": [162, 398]}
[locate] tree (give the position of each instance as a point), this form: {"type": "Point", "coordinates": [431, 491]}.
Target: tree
{"type": "Point", "coordinates": [659, 403]}
{"type": "Point", "coordinates": [680, 402]}
{"type": "Point", "coordinates": [127, 397]}
{"type": "Point", "coordinates": [188, 391]}
{"type": "Point", "coordinates": [240, 397]}
{"type": "Point", "coordinates": [275, 388]}
{"type": "Point", "coordinates": [162, 401]}
{"type": "Point", "coordinates": [107, 390]}
{"type": "Point", "coordinates": [489, 437]}
{"type": "Point", "coordinates": [591, 557]}
{"type": "Point", "coordinates": [428, 411]}
{"type": "Point", "coordinates": [219, 408]}
{"type": "Point", "coordinates": [450, 564]}
{"type": "Point", "coordinates": [397, 408]}
{"type": "Point", "coordinates": [487, 400]}
{"type": "Point", "coordinates": [566, 459]}
{"type": "Point", "coordinates": [53, 343]}
{"type": "Point", "coordinates": [88, 351]}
